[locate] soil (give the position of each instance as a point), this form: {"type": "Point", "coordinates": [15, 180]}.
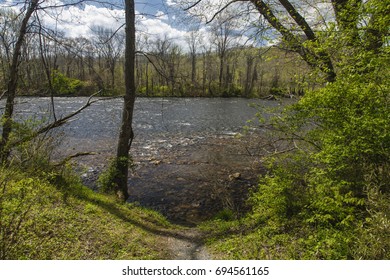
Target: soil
{"type": "Point", "coordinates": [191, 247]}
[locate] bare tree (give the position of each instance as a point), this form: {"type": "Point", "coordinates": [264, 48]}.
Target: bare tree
{"type": "Point", "coordinates": [223, 31]}
{"type": "Point", "coordinates": [13, 80]}
{"type": "Point", "coordinates": [126, 134]}
{"type": "Point", "coordinates": [194, 41]}
{"type": "Point", "coordinates": [110, 45]}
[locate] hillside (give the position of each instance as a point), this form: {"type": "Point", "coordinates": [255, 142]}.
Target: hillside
{"type": "Point", "coordinates": [58, 218]}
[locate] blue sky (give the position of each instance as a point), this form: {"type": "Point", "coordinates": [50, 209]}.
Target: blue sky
{"type": "Point", "coordinates": [158, 19]}
{"type": "Point", "coordinates": [151, 6]}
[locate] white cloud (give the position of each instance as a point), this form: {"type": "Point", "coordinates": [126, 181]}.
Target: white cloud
{"type": "Point", "coordinates": [155, 28]}
{"type": "Point", "coordinates": [77, 21]}
{"type": "Point", "coordinates": [170, 3]}
{"type": "Point", "coordinates": [161, 15]}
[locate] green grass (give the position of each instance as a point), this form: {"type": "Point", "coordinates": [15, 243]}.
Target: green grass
{"type": "Point", "coordinates": [56, 217]}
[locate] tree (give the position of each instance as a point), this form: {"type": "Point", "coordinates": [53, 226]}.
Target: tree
{"type": "Point", "coordinates": [13, 80]}
{"type": "Point", "coordinates": [194, 41]}
{"type": "Point", "coordinates": [317, 59]}
{"type": "Point", "coordinates": [302, 35]}
{"type": "Point", "coordinates": [223, 34]}
{"type": "Point", "coordinates": [126, 134]}
{"type": "Point", "coordinates": [109, 45]}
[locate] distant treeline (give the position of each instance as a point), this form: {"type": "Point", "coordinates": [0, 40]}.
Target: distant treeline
{"type": "Point", "coordinates": [54, 64]}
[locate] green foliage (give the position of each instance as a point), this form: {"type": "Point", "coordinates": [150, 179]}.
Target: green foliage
{"type": "Point", "coordinates": [39, 216]}
{"type": "Point", "coordinates": [327, 195]}
{"type": "Point", "coordinates": [106, 181]}
{"type": "Point", "coordinates": [20, 202]}
{"type": "Point", "coordinates": [33, 156]}
{"type": "Point", "coordinates": [225, 215]}
{"type": "Point", "coordinates": [44, 207]}
{"type": "Point", "coordinates": [64, 85]}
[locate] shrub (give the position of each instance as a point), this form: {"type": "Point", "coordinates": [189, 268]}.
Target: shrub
{"type": "Point", "coordinates": [64, 85]}
{"type": "Point", "coordinates": [106, 181]}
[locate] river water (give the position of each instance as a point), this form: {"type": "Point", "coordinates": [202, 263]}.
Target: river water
{"type": "Point", "coordinates": [189, 165]}
{"type": "Point", "coordinates": [156, 120]}
{"type": "Point", "coordinates": [152, 116]}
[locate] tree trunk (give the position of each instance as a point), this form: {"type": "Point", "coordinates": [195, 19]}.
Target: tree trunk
{"type": "Point", "coordinates": [126, 133]}
{"type": "Point", "coordinates": [320, 60]}
{"type": "Point", "coordinates": [193, 68]}
{"type": "Point", "coordinates": [12, 83]}
{"type": "Point", "coordinates": [249, 76]}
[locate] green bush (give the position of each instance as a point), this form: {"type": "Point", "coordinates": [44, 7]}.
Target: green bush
{"type": "Point", "coordinates": [64, 85]}
{"type": "Point", "coordinates": [106, 181]}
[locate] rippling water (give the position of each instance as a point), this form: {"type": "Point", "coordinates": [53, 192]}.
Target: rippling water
{"type": "Point", "coordinates": [152, 116]}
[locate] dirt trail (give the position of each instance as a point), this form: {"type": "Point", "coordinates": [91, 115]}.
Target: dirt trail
{"type": "Point", "coordinates": [190, 248]}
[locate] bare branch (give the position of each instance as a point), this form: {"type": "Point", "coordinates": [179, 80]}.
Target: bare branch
{"type": "Point", "coordinates": [155, 66]}
{"type": "Point", "coordinates": [221, 10]}
{"type": "Point", "coordinates": [68, 158]}
{"type": "Point", "coordinates": [113, 34]}
{"type": "Point", "coordinates": [192, 6]}
{"type": "Point", "coordinates": [57, 123]}
{"type": "Point", "coordinates": [2, 94]}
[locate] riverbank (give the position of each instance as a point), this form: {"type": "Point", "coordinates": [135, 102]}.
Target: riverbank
{"type": "Point", "coordinates": [187, 179]}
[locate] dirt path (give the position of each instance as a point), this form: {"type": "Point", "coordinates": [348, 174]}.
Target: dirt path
{"type": "Point", "coordinates": [189, 248]}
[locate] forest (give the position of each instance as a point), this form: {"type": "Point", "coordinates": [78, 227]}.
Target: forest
{"type": "Point", "coordinates": [323, 188]}
{"type": "Point", "coordinates": [62, 66]}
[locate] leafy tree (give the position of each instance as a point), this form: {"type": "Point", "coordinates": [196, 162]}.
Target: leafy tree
{"type": "Point", "coordinates": [303, 35]}
{"type": "Point", "coordinates": [326, 193]}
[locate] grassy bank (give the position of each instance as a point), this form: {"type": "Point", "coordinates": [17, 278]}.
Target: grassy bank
{"type": "Point", "coordinates": [55, 217]}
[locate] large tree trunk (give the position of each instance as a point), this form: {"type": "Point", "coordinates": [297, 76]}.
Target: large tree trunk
{"type": "Point", "coordinates": [126, 133]}
{"type": "Point", "coordinates": [320, 60]}
{"type": "Point", "coordinates": [12, 83]}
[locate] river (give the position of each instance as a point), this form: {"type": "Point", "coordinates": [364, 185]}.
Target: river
{"type": "Point", "coordinates": [188, 163]}
{"type": "Point", "coordinates": [152, 116]}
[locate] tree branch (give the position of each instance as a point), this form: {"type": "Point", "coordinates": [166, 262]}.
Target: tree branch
{"type": "Point", "coordinates": [155, 66]}
{"type": "Point", "coordinates": [68, 158]}
{"type": "Point", "coordinates": [221, 10]}
{"type": "Point", "coordinates": [192, 6]}
{"type": "Point", "coordinates": [57, 123]}
{"type": "Point", "coordinates": [302, 23]}
{"type": "Point", "coordinates": [2, 94]}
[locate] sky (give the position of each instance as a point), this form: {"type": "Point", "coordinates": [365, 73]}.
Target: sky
{"type": "Point", "coordinates": [155, 19]}
{"type": "Point", "coordinates": [77, 21]}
